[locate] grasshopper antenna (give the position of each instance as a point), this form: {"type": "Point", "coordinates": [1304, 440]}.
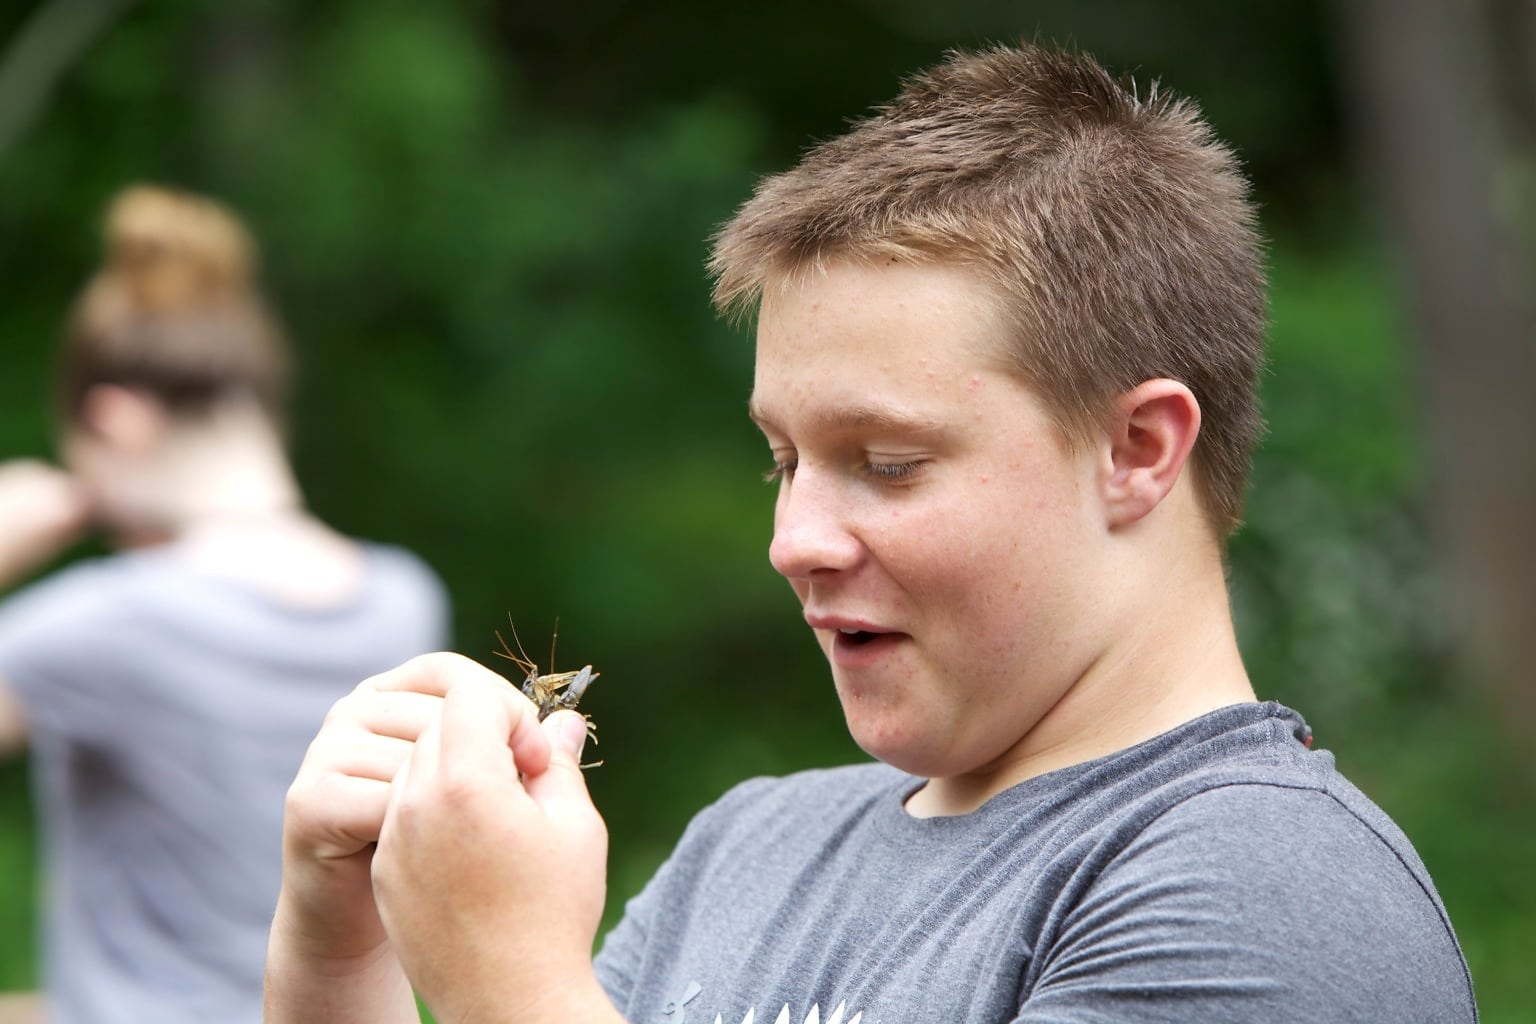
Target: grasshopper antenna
{"type": "Point", "coordinates": [515, 639]}
{"type": "Point", "coordinates": [524, 663]}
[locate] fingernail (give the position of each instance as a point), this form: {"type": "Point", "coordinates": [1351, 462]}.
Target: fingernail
{"type": "Point", "coordinates": [573, 733]}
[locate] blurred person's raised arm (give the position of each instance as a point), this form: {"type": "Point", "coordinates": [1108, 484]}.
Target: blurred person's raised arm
{"type": "Point", "coordinates": [13, 722]}
{"type": "Point", "coordinates": [41, 513]}
{"type": "Point", "coordinates": [420, 838]}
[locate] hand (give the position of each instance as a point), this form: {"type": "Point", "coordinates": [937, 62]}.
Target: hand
{"type": "Point", "coordinates": [42, 510]}
{"type": "Point", "coordinates": [329, 958]}
{"type": "Point", "coordinates": [490, 870]}
{"type": "Point", "coordinates": [335, 808]}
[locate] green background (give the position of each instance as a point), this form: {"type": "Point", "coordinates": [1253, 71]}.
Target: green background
{"type": "Point", "coordinates": [486, 225]}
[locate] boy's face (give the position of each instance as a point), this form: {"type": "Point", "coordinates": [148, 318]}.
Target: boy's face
{"type": "Point", "coordinates": [944, 544]}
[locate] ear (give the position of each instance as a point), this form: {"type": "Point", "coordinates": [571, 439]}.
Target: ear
{"type": "Point", "coordinates": [1151, 436]}
{"type": "Point", "coordinates": [129, 421]}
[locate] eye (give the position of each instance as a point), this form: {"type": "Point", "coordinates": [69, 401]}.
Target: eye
{"type": "Point", "coordinates": [782, 470]}
{"type": "Point", "coordinates": [892, 470]}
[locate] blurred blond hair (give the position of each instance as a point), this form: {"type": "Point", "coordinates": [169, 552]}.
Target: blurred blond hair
{"type": "Point", "coordinates": [174, 310]}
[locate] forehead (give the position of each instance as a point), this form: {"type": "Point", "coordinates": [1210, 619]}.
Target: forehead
{"type": "Point", "coordinates": [874, 345]}
{"type": "Point", "coordinates": [887, 310]}
{"type": "Point", "coordinates": [844, 289]}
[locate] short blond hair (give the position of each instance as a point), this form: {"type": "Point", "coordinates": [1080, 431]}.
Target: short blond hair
{"type": "Point", "coordinates": [1116, 228]}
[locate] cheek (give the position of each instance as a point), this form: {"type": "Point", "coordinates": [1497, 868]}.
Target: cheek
{"type": "Point", "coordinates": [953, 539]}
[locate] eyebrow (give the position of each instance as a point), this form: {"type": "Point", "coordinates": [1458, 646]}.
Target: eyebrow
{"type": "Point", "coordinates": [859, 417]}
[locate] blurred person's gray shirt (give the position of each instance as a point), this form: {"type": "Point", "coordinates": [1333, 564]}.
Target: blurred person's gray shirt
{"type": "Point", "coordinates": [168, 712]}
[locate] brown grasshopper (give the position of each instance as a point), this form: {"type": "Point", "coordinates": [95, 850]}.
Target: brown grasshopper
{"type": "Point", "coordinates": [556, 691]}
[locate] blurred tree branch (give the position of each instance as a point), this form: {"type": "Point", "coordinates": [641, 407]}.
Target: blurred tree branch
{"type": "Point", "coordinates": [50, 41]}
{"type": "Point", "coordinates": [1446, 102]}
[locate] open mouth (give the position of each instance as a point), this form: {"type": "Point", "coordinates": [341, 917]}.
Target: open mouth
{"type": "Point", "coordinates": [862, 648]}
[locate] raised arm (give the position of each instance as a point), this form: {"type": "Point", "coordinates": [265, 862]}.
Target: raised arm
{"type": "Point", "coordinates": [41, 512]}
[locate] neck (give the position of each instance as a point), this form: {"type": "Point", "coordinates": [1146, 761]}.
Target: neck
{"type": "Point", "coordinates": [227, 470]}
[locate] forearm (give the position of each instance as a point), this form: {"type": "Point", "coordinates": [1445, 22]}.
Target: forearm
{"type": "Point", "coordinates": [13, 723]}
{"type": "Point", "coordinates": [19, 555]}
{"type": "Point", "coordinates": [42, 512]}
{"type": "Point", "coordinates": [305, 988]}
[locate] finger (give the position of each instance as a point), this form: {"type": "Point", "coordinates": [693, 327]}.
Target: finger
{"type": "Point", "coordinates": [422, 761]}
{"type": "Point", "coordinates": [438, 674]}
{"type": "Point", "coordinates": [367, 756]}
{"type": "Point", "coordinates": [485, 731]}
{"type": "Point", "coordinates": [416, 770]}
{"type": "Point", "coordinates": [561, 790]}
{"type": "Point", "coordinates": [340, 815]}
{"type": "Point", "coordinates": [435, 674]}
{"type": "Point", "coordinates": [398, 714]}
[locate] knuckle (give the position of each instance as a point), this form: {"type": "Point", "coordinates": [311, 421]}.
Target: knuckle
{"type": "Point", "coordinates": [345, 709]}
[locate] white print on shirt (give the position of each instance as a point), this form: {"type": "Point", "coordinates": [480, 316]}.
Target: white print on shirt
{"type": "Point", "coordinates": [692, 990]}
{"type": "Point", "coordinates": [814, 1017]}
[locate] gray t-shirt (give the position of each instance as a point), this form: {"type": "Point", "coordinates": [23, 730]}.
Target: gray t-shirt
{"type": "Point", "coordinates": [168, 712]}
{"type": "Point", "coordinates": [1219, 872]}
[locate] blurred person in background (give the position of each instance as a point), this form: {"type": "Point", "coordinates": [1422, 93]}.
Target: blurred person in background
{"type": "Point", "coordinates": [167, 691]}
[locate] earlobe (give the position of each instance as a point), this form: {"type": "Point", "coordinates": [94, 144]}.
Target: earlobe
{"type": "Point", "coordinates": [129, 421]}
{"type": "Point", "coordinates": [1153, 432]}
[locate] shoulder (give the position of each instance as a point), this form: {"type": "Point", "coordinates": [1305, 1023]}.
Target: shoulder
{"type": "Point", "coordinates": [1312, 811]}
{"type": "Point", "coordinates": [1292, 878]}
{"type": "Point", "coordinates": [71, 599]}
{"type": "Point", "coordinates": [1277, 827]}
{"type": "Point", "coordinates": [1280, 841]}
{"type": "Point", "coordinates": [1258, 794]}
{"type": "Point", "coordinates": [402, 573]}
{"type": "Point", "coordinates": [394, 559]}
{"type": "Point", "coordinates": [57, 632]}
{"type": "Point", "coordinates": [1228, 866]}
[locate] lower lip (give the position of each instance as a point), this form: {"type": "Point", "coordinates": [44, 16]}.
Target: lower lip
{"type": "Point", "coordinates": [849, 653]}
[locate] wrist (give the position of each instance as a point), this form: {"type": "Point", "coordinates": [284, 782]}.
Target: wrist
{"type": "Point", "coordinates": [550, 995]}
{"type": "Point", "coordinates": [306, 983]}
{"type": "Point", "coordinates": [325, 914]}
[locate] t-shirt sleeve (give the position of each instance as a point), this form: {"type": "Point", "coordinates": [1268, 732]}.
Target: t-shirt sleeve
{"type": "Point", "coordinates": [1257, 904]}
{"type": "Point", "coordinates": [52, 635]}
{"type": "Point", "coordinates": [618, 962]}
{"type": "Point", "coordinates": [622, 958]}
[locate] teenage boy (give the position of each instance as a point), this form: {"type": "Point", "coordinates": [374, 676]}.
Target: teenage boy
{"type": "Point", "coordinates": [1009, 329]}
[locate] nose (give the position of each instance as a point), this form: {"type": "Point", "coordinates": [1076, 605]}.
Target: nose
{"type": "Point", "coordinates": [812, 529]}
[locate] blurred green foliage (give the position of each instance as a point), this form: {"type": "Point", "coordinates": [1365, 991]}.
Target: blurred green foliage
{"type": "Point", "coordinates": [485, 225]}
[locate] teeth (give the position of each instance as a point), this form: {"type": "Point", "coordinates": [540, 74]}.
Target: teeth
{"type": "Point", "coordinates": [849, 632]}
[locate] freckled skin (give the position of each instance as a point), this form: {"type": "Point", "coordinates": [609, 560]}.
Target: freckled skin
{"type": "Point", "coordinates": [974, 558]}
{"type": "Point", "coordinates": [992, 603]}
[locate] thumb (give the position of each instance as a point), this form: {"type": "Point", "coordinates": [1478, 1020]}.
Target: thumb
{"type": "Point", "coordinates": [561, 789]}
{"type": "Point", "coordinates": [568, 733]}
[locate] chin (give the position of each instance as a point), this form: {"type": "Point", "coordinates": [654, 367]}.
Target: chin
{"type": "Point", "coordinates": [898, 746]}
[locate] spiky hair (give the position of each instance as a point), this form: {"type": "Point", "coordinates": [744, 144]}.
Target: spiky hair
{"type": "Point", "coordinates": [1114, 227]}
